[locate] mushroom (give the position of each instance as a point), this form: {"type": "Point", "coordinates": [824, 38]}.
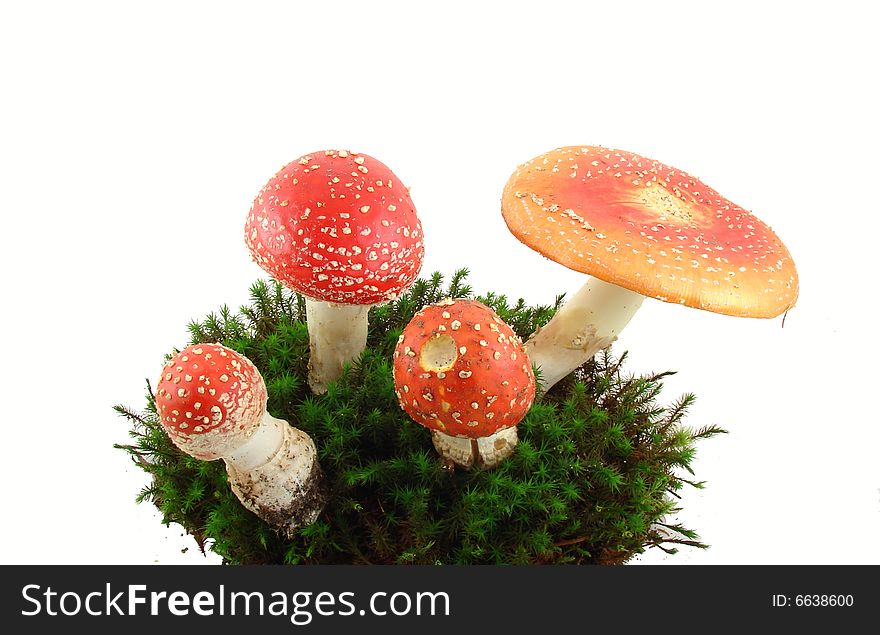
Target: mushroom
{"type": "Point", "coordinates": [461, 371]}
{"type": "Point", "coordinates": [641, 229]}
{"type": "Point", "coordinates": [212, 403]}
{"type": "Point", "coordinates": [339, 228]}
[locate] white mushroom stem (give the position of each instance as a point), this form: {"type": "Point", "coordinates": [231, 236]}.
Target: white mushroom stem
{"type": "Point", "coordinates": [487, 452]}
{"type": "Point", "coordinates": [337, 336]}
{"type": "Point", "coordinates": [584, 325]}
{"type": "Point", "coordinates": [276, 475]}
{"type": "Point", "coordinates": [260, 447]}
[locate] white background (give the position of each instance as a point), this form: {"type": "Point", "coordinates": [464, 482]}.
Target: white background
{"type": "Point", "coordinates": [134, 136]}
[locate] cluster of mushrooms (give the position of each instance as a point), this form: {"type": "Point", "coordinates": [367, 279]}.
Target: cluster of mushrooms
{"type": "Point", "coordinates": [341, 229]}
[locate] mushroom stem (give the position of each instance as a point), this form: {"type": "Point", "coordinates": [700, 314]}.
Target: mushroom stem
{"type": "Point", "coordinates": [590, 321]}
{"type": "Point", "coordinates": [337, 336]}
{"type": "Point", "coordinates": [260, 447]}
{"type": "Point", "coordinates": [487, 452]}
{"type": "Point", "coordinates": [276, 475]}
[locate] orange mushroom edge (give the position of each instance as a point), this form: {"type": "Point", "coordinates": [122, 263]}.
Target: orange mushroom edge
{"type": "Point", "coordinates": [641, 229]}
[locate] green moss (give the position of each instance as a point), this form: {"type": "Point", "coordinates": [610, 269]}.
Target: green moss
{"type": "Point", "coordinates": [590, 482]}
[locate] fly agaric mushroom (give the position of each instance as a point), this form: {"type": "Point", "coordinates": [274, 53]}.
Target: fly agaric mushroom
{"type": "Point", "coordinates": [461, 371]}
{"type": "Point", "coordinates": [212, 403]}
{"type": "Point", "coordinates": [339, 228]}
{"type": "Point", "coordinates": [641, 229]}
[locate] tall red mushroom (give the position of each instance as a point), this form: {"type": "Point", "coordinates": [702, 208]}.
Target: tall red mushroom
{"type": "Point", "coordinates": [340, 228]}
{"type": "Point", "coordinates": [212, 403]}
{"type": "Point", "coordinates": [461, 371]}
{"type": "Point", "coordinates": [641, 229]}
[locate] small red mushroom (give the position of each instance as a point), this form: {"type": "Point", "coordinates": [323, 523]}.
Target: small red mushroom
{"type": "Point", "coordinates": [461, 371]}
{"type": "Point", "coordinates": [212, 403]}
{"type": "Point", "coordinates": [210, 400]}
{"type": "Point", "coordinates": [341, 229]}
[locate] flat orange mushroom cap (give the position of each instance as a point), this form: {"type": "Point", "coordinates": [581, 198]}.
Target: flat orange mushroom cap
{"type": "Point", "coordinates": [650, 228]}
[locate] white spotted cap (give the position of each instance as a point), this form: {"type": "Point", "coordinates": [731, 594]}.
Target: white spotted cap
{"type": "Point", "coordinates": [337, 226]}
{"type": "Point", "coordinates": [461, 370]}
{"type": "Point", "coordinates": [650, 228]}
{"type": "Point", "coordinates": [210, 399]}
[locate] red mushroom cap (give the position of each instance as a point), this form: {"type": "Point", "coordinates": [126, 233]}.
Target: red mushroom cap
{"type": "Point", "coordinates": [210, 399]}
{"type": "Point", "coordinates": [337, 226]}
{"type": "Point", "coordinates": [650, 228]}
{"type": "Point", "coordinates": [460, 369]}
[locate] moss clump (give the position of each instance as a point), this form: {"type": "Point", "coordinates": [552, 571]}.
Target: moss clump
{"type": "Point", "coordinates": [591, 480]}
